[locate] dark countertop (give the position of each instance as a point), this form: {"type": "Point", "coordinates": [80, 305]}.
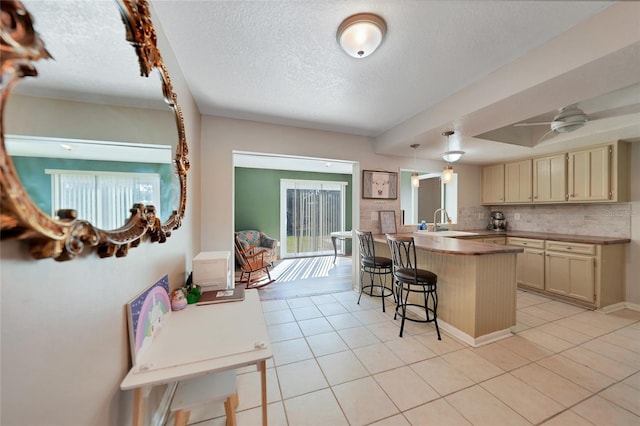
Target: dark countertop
{"type": "Point", "coordinates": [567, 238]}
{"type": "Point", "coordinates": [453, 246]}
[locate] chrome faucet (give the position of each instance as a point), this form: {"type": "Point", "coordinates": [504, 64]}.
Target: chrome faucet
{"type": "Point", "coordinates": [435, 214]}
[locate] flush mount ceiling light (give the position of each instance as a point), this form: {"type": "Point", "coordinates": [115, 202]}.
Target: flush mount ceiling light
{"type": "Point", "coordinates": [360, 35]}
{"type": "Point", "coordinates": [415, 178]}
{"type": "Point", "coordinates": [449, 157]}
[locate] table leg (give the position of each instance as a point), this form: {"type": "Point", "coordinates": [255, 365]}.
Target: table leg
{"type": "Point", "coordinates": [139, 406]}
{"type": "Point", "coordinates": [335, 249]}
{"type": "Point", "coordinates": [262, 366]}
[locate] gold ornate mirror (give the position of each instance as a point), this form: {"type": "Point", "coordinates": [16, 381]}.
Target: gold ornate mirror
{"type": "Point", "coordinates": [65, 236]}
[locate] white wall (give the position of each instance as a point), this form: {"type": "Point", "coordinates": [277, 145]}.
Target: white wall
{"type": "Point", "coordinates": [64, 347]}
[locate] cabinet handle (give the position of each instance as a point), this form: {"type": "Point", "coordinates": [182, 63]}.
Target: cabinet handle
{"type": "Point", "coordinates": [524, 244]}
{"type": "Point", "coordinates": [535, 198]}
{"type": "Point", "coordinates": [568, 248]}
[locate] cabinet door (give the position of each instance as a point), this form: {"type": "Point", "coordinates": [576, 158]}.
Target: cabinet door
{"type": "Point", "coordinates": [570, 275]}
{"type": "Point", "coordinates": [517, 182]}
{"type": "Point", "coordinates": [533, 268]}
{"type": "Point", "coordinates": [589, 174]}
{"type": "Point", "coordinates": [493, 184]}
{"type": "Point", "coordinates": [550, 179]}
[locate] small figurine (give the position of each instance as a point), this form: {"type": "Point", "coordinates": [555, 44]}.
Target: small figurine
{"type": "Point", "coordinates": [178, 301]}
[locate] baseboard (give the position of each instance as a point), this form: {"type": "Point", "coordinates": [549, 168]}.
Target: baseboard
{"type": "Point", "coordinates": [632, 306]}
{"type": "Point", "coordinates": [464, 337]}
{"type": "Point", "coordinates": [612, 308]}
{"type": "Point", "coordinates": [619, 306]}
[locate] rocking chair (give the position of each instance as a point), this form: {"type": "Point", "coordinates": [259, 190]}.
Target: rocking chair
{"type": "Point", "coordinates": [252, 263]}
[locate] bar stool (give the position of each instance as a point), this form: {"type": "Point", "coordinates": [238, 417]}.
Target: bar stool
{"type": "Point", "coordinates": [374, 266]}
{"type": "Point", "coordinates": [409, 279]}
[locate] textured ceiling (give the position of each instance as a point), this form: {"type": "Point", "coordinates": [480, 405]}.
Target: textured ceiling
{"type": "Point", "coordinates": [279, 60]}
{"type": "Point", "coordinates": [471, 66]}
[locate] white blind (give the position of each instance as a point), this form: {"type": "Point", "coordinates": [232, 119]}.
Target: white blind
{"type": "Point", "coordinates": [310, 211]}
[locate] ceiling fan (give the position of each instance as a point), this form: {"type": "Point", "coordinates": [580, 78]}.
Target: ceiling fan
{"type": "Point", "coordinates": [568, 119]}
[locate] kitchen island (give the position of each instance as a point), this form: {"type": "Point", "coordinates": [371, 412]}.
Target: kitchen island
{"type": "Point", "coordinates": [476, 284]}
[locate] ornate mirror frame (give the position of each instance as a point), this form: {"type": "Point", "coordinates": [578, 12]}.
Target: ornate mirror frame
{"type": "Point", "coordinates": [66, 237]}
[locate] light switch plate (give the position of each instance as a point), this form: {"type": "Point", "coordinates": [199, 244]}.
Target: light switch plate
{"type": "Point", "coordinates": [516, 216]}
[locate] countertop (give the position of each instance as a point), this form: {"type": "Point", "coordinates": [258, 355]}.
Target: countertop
{"type": "Point", "coordinates": [453, 246]}
{"type": "Point", "coordinates": [568, 238]}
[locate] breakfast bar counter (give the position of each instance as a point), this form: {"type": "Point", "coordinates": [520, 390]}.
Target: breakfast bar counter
{"type": "Point", "coordinates": [476, 284]}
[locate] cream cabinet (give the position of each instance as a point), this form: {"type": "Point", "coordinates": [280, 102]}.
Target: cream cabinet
{"type": "Point", "coordinates": [570, 275]}
{"type": "Point", "coordinates": [589, 273]}
{"type": "Point", "coordinates": [599, 173]}
{"type": "Point", "coordinates": [517, 182]}
{"type": "Point", "coordinates": [493, 184]}
{"type": "Point", "coordinates": [550, 179]}
{"type": "Point", "coordinates": [530, 263]}
{"type": "Point", "coordinates": [589, 175]}
{"type": "Point", "coordinates": [596, 174]}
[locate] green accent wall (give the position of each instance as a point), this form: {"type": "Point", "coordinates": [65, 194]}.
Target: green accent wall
{"type": "Point", "coordinates": [37, 183]}
{"type": "Point", "coordinates": [257, 197]}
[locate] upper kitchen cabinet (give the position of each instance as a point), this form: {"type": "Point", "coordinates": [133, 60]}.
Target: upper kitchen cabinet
{"type": "Point", "coordinates": [595, 174]}
{"type": "Point", "coordinates": [599, 173]}
{"type": "Point", "coordinates": [517, 183]}
{"type": "Point", "coordinates": [493, 184]}
{"type": "Point", "coordinates": [550, 179]}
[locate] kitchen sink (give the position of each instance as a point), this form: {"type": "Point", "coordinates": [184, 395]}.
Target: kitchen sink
{"type": "Point", "coordinates": [445, 233]}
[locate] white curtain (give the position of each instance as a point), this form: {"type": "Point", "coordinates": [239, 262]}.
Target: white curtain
{"type": "Point", "coordinates": [103, 198]}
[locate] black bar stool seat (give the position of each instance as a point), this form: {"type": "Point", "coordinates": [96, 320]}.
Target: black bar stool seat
{"type": "Point", "coordinates": [409, 279]}
{"type": "Point", "coordinates": [377, 262]}
{"type": "Point", "coordinates": [375, 266]}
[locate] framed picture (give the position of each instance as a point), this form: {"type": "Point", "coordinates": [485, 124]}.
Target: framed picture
{"type": "Point", "coordinates": [379, 185]}
{"type": "Point", "coordinates": [388, 222]}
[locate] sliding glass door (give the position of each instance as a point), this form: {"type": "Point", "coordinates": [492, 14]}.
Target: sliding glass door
{"type": "Point", "coordinates": [309, 212]}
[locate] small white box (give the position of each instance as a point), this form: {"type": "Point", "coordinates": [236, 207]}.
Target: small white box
{"type": "Point", "coordinates": [211, 269]}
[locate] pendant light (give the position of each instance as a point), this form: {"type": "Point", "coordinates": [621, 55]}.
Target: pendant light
{"type": "Point", "coordinates": [449, 157]}
{"type": "Point", "coordinates": [415, 178]}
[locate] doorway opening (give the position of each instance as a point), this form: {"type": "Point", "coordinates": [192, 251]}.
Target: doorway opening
{"type": "Point", "coordinates": [322, 194]}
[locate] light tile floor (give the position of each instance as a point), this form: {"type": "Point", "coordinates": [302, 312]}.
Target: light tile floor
{"type": "Point", "coordinates": [339, 363]}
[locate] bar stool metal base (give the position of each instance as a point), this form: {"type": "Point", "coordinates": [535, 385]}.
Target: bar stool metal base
{"type": "Point", "coordinates": [384, 291]}
{"type": "Point", "coordinates": [429, 293]}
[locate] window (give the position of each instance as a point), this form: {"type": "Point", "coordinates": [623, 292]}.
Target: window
{"type": "Point", "coordinates": [309, 212]}
{"type": "Point", "coordinates": [103, 198]}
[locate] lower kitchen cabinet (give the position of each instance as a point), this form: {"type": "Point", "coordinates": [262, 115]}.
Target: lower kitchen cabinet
{"type": "Point", "coordinates": [530, 264]}
{"type": "Point", "coordinates": [570, 275]}
{"type": "Point", "coordinates": [592, 274]}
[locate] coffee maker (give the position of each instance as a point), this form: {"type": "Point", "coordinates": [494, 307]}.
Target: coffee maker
{"type": "Point", "coordinates": [498, 222]}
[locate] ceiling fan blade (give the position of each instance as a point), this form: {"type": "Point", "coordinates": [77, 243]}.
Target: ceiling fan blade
{"type": "Point", "coordinates": [544, 137]}
{"type": "Point", "coordinates": [533, 124]}
{"type": "Point", "coordinates": [615, 112]}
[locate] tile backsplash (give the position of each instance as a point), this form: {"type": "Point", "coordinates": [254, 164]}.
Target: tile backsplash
{"type": "Point", "coordinates": [605, 220]}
